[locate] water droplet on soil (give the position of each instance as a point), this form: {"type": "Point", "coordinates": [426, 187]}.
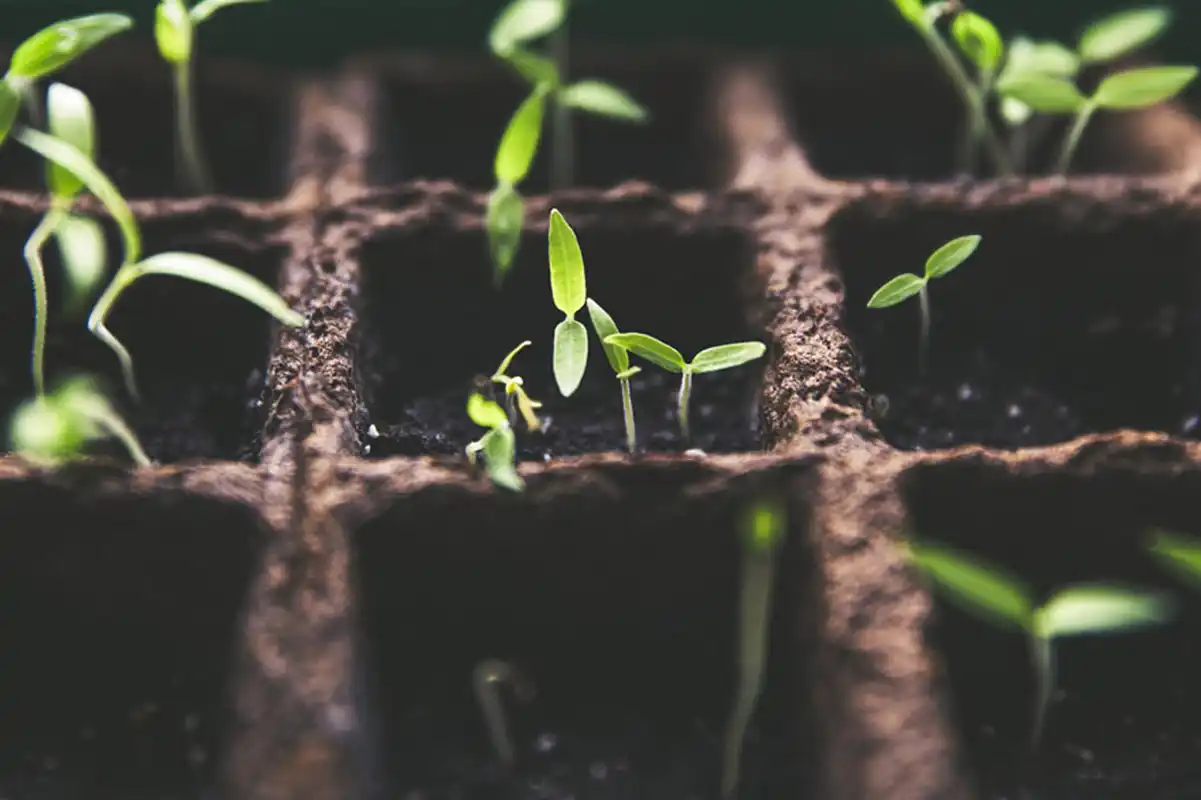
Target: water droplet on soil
{"type": "Point", "coordinates": [372, 432]}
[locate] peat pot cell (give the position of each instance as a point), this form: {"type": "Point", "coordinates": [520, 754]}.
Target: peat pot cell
{"type": "Point", "coordinates": [436, 323]}
{"type": "Point", "coordinates": [242, 116]}
{"type": "Point", "coordinates": [118, 614]}
{"type": "Point", "coordinates": [1069, 318]}
{"type": "Point", "coordinates": [199, 353]}
{"type": "Point", "coordinates": [617, 609]}
{"type": "Point", "coordinates": [1126, 720]}
{"type": "Point", "coordinates": [444, 120]}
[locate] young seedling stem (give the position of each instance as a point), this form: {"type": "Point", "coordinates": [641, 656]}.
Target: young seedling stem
{"type": "Point", "coordinates": [56, 427]}
{"type": "Point", "coordinates": [619, 360]}
{"type": "Point", "coordinates": [516, 399]}
{"type": "Point", "coordinates": [487, 678]}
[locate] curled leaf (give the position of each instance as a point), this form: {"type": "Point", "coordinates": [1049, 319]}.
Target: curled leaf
{"type": "Point", "coordinates": [979, 40]}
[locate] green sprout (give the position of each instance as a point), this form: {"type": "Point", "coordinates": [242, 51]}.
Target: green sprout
{"type": "Point", "coordinates": [1178, 554]}
{"type": "Point", "coordinates": [56, 427]}
{"type": "Point", "coordinates": [498, 445]}
{"type": "Point", "coordinates": [175, 32]}
{"type": "Point", "coordinates": [764, 527]}
{"type": "Point", "coordinates": [1005, 602]}
{"type": "Point", "coordinates": [664, 356]}
{"type": "Point", "coordinates": [979, 40]}
{"type": "Point", "coordinates": [619, 359]}
{"type": "Point", "coordinates": [486, 679]}
{"type": "Point", "coordinates": [1027, 56]}
{"type": "Point", "coordinates": [906, 285]}
{"type": "Point", "coordinates": [516, 398]}
{"type": "Point", "coordinates": [569, 293]}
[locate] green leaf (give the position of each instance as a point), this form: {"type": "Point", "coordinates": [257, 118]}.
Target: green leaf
{"type": "Point", "coordinates": [977, 588]}
{"type": "Point", "coordinates": [661, 355]}
{"type": "Point", "coordinates": [1146, 86]}
{"type": "Point", "coordinates": [173, 31]}
{"type": "Point", "coordinates": [519, 143]}
{"type": "Point", "coordinates": [70, 118]}
{"type": "Point", "coordinates": [73, 161]}
{"type": "Point", "coordinates": [500, 452]}
{"type": "Point", "coordinates": [534, 68]}
{"type": "Point", "coordinates": [897, 290]}
{"type": "Point", "coordinates": [726, 356]}
{"type": "Point", "coordinates": [503, 369]}
{"type": "Point", "coordinates": [567, 280]}
{"type": "Point", "coordinates": [571, 355]}
{"type": "Point", "coordinates": [603, 99]}
{"type": "Point", "coordinates": [486, 413]}
{"type": "Point", "coordinates": [1099, 609]}
{"type": "Point", "coordinates": [1014, 111]}
{"type": "Point", "coordinates": [504, 221]}
{"type": "Point", "coordinates": [206, 8]}
{"type": "Point", "coordinates": [912, 10]}
{"type": "Point", "coordinates": [1045, 94]}
{"type": "Point", "coordinates": [979, 40]}
{"type": "Point", "coordinates": [42, 430]}
{"type": "Point", "coordinates": [81, 249]}
{"type": "Point", "coordinates": [605, 327]}
{"type": "Point", "coordinates": [10, 106]}
{"type": "Point", "coordinates": [1179, 554]}
{"type": "Point", "coordinates": [1122, 33]}
{"type": "Point", "coordinates": [202, 269]}
{"type": "Point", "coordinates": [951, 255]}
{"type": "Point", "coordinates": [523, 21]}
{"type": "Point", "coordinates": [1042, 57]}
{"type": "Point", "coordinates": [57, 45]}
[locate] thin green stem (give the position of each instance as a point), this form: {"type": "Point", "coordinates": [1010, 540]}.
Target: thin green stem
{"type": "Point", "coordinates": [126, 275]}
{"type": "Point", "coordinates": [1073, 139]}
{"type": "Point", "coordinates": [563, 147]}
{"type": "Point", "coordinates": [189, 153]}
{"type": "Point", "coordinates": [973, 134]}
{"type": "Point", "coordinates": [41, 304]}
{"type": "Point", "coordinates": [1043, 659]}
{"type": "Point", "coordinates": [627, 405]}
{"type": "Point", "coordinates": [685, 391]}
{"type": "Point", "coordinates": [923, 352]}
{"type": "Point", "coordinates": [118, 428]}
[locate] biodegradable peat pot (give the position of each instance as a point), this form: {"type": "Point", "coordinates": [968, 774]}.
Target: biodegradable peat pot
{"type": "Point", "coordinates": [292, 605]}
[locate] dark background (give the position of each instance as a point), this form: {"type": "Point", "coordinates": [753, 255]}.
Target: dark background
{"type": "Point", "coordinates": [317, 33]}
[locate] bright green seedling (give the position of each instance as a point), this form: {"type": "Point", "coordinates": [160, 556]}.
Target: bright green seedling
{"type": "Point", "coordinates": [175, 32]}
{"type": "Point", "coordinates": [498, 445]}
{"type": "Point", "coordinates": [516, 398]}
{"type": "Point", "coordinates": [56, 427]}
{"type": "Point", "coordinates": [486, 681]}
{"type": "Point", "coordinates": [664, 356]}
{"type": "Point", "coordinates": [569, 292]}
{"type": "Point", "coordinates": [764, 528]}
{"type": "Point", "coordinates": [1180, 555]}
{"type": "Point", "coordinates": [1005, 602]}
{"type": "Point", "coordinates": [1027, 56]}
{"type": "Point", "coordinates": [906, 285]}
{"type": "Point", "coordinates": [981, 43]}
{"type": "Point", "coordinates": [506, 209]}
{"type": "Point", "coordinates": [619, 359]}
{"type": "Point", "coordinates": [1120, 34]}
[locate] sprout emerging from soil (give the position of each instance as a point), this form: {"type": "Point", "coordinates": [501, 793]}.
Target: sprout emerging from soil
{"type": "Point", "coordinates": [569, 292]}
{"type": "Point", "coordinates": [498, 445]}
{"type": "Point", "coordinates": [664, 356]}
{"type": "Point", "coordinates": [175, 31]}
{"type": "Point", "coordinates": [764, 527]}
{"type": "Point", "coordinates": [906, 285]}
{"type": "Point", "coordinates": [619, 360]}
{"type": "Point", "coordinates": [1178, 554]}
{"type": "Point", "coordinates": [516, 398]}
{"type": "Point", "coordinates": [1072, 611]}
{"type": "Point", "coordinates": [486, 681]}
{"type": "Point", "coordinates": [53, 428]}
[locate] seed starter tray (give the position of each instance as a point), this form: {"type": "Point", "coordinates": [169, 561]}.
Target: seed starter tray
{"type": "Point", "coordinates": [291, 606]}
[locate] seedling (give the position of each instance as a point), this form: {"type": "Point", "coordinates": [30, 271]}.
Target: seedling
{"type": "Point", "coordinates": [487, 678]}
{"type": "Point", "coordinates": [906, 285]}
{"type": "Point", "coordinates": [1004, 601]}
{"type": "Point", "coordinates": [516, 398]}
{"type": "Point", "coordinates": [1027, 56]}
{"type": "Point", "coordinates": [53, 428]}
{"type": "Point", "coordinates": [664, 356]}
{"type": "Point", "coordinates": [1180, 555]}
{"type": "Point", "coordinates": [506, 209]}
{"type": "Point", "coordinates": [569, 292]}
{"type": "Point", "coordinates": [498, 445]}
{"type": "Point", "coordinates": [980, 42]}
{"type": "Point", "coordinates": [175, 32]}
{"type": "Point", "coordinates": [764, 528]}
{"type": "Point", "coordinates": [619, 359]}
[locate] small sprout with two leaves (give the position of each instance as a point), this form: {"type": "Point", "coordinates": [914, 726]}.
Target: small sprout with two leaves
{"type": "Point", "coordinates": [664, 356]}
{"type": "Point", "coordinates": [57, 427]}
{"type": "Point", "coordinates": [1072, 611]}
{"type": "Point", "coordinates": [486, 680]}
{"type": "Point", "coordinates": [175, 32]}
{"type": "Point", "coordinates": [1180, 555]}
{"type": "Point", "coordinates": [569, 292]}
{"type": "Point", "coordinates": [906, 285]}
{"type": "Point", "coordinates": [498, 445]}
{"type": "Point", "coordinates": [516, 398]}
{"type": "Point", "coordinates": [619, 360]}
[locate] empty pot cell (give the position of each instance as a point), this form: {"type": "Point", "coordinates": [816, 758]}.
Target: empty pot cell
{"type": "Point", "coordinates": [243, 116]}
{"type": "Point", "coordinates": [119, 612]}
{"type": "Point", "coordinates": [435, 323]}
{"type": "Point", "coordinates": [616, 606]}
{"type": "Point", "coordinates": [199, 354]}
{"type": "Point", "coordinates": [1124, 721]}
{"type": "Point", "coordinates": [1076, 314]}
{"type": "Point", "coordinates": [422, 132]}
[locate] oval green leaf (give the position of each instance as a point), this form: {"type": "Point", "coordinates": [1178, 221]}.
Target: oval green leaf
{"type": "Point", "coordinates": [486, 413]}
{"type": "Point", "coordinates": [519, 143]}
{"type": "Point", "coordinates": [173, 31]}
{"type": "Point", "coordinates": [979, 40]}
{"type": "Point", "coordinates": [726, 356]}
{"type": "Point", "coordinates": [500, 452]}
{"type": "Point", "coordinates": [897, 290]}
{"type": "Point", "coordinates": [57, 45]}
{"type": "Point", "coordinates": [10, 106]}
{"type": "Point", "coordinates": [1042, 57]}
{"type": "Point", "coordinates": [567, 280]}
{"type": "Point", "coordinates": [571, 355]}
{"type": "Point", "coordinates": [206, 8]}
{"type": "Point", "coordinates": [1179, 554]}
{"type": "Point", "coordinates": [603, 99]}
{"type": "Point", "coordinates": [1146, 86]}
{"type": "Point", "coordinates": [504, 220]}
{"type": "Point", "coordinates": [70, 118]}
{"type": "Point", "coordinates": [523, 21]}
{"type": "Point", "coordinates": [81, 249]}
{"type": "Point", "coordinates": [605, 327]}
{"type": "Point", "coordinates": [981, 590]}
{"type": "Point", "coordinates": [658, 353]}
{"type": "Point", "coordinates": [1122, 33]}
{"type": "Point", "coordinates": [1086, 609]}
{"type": "Point", "coordinates": [951, 255]}
{"type": "Point", "coordinates": [1046, 94]}
{"type": "Point", "coordinates": [202, 269]}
